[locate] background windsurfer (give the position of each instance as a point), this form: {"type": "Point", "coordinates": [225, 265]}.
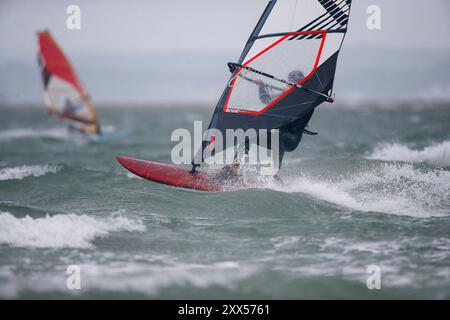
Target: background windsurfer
{"type": "Point", "coordinates": [76, 122]}
{"type": "Point", "coordinates": [70, 107]}
{"type": "Point", "coordinates": [68, 103]}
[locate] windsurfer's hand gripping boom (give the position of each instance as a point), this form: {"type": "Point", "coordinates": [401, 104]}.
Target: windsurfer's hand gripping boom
{"type": "Point", "coordinates": [233, 66]}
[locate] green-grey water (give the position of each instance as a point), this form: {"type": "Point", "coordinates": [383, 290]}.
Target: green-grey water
{"type": "Point", "coordinates": [373, 188]}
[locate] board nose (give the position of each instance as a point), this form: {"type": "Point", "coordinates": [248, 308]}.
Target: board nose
{"type": "Point", "coordinates": [123, 160]}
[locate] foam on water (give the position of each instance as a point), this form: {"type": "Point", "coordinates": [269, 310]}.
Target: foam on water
{"type": "Point", "coordinates": [149, 276]}
{"type": "Point", "coordinates": [437, 154]}
{"type": "Point", "coordinates": [62, 230]}
{"type": "Point", "coordinates": [59, 133]}
{"type": "Point", "coordinates": [107, 128]}
{"type": "Point", "coordinates": [132, 176]}
{"type": "Point", "coordinates": [151, 279]}
{"type": "Point", "coordinates": [388, 188]}
{"type": "Point", "coordinates": [19, 173]}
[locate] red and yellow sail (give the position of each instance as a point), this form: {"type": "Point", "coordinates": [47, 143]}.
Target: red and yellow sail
{"type": "Point", "coordinates": [63, 92]}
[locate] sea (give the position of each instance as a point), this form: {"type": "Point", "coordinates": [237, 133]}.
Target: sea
{"type": "Point", "coordinates": [363, 211]}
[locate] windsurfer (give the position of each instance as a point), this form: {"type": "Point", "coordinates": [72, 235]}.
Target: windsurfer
{"type": "Point", "coordinates": [77, 122]}
{"type": "Point", "coordinates": [290, 134]}
{"type": "Point", "coordinates": [69, 104]}
{"type": "Point", "coordinates": [68, 112]}
{"type": "Point", "coordinates": [265, 90]}
{"type": "Point", "coordinates": [70, 107]}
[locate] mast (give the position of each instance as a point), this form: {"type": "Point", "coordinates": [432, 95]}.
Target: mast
{"type": "Point", "coordinates": [257, 29]}
{"type": "Point", "coordinates": [259, 25]}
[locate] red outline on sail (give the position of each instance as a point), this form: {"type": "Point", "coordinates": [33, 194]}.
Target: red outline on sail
{"type": "Point", "coordinates": [242, 111]}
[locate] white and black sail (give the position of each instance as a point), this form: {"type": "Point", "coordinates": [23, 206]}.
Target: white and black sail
{"type": "Point", "coordinates": [286, 69]}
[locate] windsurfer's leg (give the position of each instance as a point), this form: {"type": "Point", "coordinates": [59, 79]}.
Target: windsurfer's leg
{"type": "Point", "coordinates": [281, 156]}
{"type": "Point", "coordinates": [280, 159]}
{"type": "Point", "coordinates": [98, 129]}
{"type": "Point", "coordinates": [281, 149]}
{"type": "Point", "coordinates": [194, 166]}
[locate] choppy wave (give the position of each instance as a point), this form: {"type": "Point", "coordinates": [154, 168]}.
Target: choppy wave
{"type": "Point", "coordinates": [62, 230]}
{"type": "Point", "coordinates": [149, 276]}
{"type": "Point", "coordinates": [19, 173]}
{"type": "Point", "coordinates": [151, 279]}
{"type": "Point", "coordinates": [23, 133]}
{"type": "Point", "coordinates": [389, 188]}
{"type": "Point", "coordinates": [438, 154]}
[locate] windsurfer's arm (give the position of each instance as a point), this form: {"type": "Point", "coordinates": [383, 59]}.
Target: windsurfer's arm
{"type": "Point", "coordinates": [264, 93]}
{"type": "Point", "coordinates": [71, 116]}
{"type": "Point", "coordinates": [194, 167]}
{"type": "Point", "coordinates": [56, 113]}
{"type": "Point", "coordinates": [259, 83]}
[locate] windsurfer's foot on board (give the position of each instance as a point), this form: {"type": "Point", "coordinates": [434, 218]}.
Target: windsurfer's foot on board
{"type": "Point", "coordinates": [228, 172]}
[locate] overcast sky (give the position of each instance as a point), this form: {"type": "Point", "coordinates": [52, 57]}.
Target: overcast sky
{"type": "Point", "coordinates": [147, 26]}
{"type": "Point", "coordinates": [119, 37]}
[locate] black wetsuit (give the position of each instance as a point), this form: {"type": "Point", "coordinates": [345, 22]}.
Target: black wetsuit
{"type": "Point", "coordinates": [290, 134]}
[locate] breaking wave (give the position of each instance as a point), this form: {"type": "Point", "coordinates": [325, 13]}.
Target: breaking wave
{"type": "Point", "coordinates": [62, 230]}
{"type": "Point", "coordinates": [18, 173]}
{"type": "Point", "coordinates": [389, 188]}
{"type": "Point", "coordinates": [437, 154]}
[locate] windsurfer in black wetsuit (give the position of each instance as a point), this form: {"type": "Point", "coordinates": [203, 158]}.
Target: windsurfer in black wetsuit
{"type": "Point", "coordinates": [290, 134]}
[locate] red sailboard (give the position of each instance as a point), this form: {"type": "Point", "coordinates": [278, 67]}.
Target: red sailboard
{"type": "Point", "coordinates": [170, 174]}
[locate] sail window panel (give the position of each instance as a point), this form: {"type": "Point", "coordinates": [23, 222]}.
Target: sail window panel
{"type": "Point", "coordinates": [251, 92]}
{"type": "Point", "coordinates": [291, 15]}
